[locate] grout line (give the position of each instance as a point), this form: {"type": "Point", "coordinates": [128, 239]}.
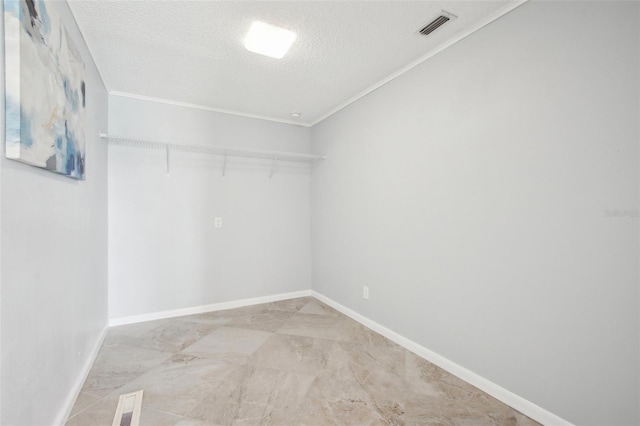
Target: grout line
{"type": "Point", "coordinates": [164, 412]}
{"type": "Point", "coordinates": [90, 394]}
{"type": "Point", "coordinates": [100, 398]}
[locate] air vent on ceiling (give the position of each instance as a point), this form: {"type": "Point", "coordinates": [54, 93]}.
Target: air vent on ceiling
{"type": "Point", "coordinates": [437, 23]}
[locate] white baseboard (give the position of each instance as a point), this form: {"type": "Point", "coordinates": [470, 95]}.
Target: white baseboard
{"type": "Point", "coordinates": [518, 403]}
{"type": "Point", "coordinates": [61, 419]}
{"type": "Point", "coordinates": [206, 308]}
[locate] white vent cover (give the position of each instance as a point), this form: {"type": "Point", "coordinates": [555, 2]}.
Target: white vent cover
{"type": "Point", "coordinates": [128, 410]}
{"type": "Point", "coordinates": [439, 21]}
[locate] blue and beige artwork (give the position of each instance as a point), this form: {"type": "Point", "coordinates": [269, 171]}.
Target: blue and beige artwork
{"type": "Point", "coordinates": [45, 90]}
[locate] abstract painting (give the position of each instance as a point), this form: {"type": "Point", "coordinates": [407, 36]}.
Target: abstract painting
{"type": "Point", "coordinates": [45, 90]}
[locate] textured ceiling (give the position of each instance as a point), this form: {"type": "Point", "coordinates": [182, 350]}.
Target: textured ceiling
{"type": "Point", "coordinates": [192, 51]}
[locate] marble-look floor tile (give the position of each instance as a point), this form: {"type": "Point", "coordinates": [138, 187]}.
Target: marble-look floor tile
{"type": "Point", "coordinates": [377, 366]}
{"type": "Point", "coordinates": [98, 414]}
{"type": "Point", "coordinates": [229, 343]}
{"type": "Point", "coordinates": [426, 378]}
{"type": "Point", "coordinates": [311, 325]}
{"type": "Point", "coordinates": [521, 419]}
{"type": "Point", "coordinates": [291, 305]}
{"type": "Point", "coordinates": [212, 318]}
{"type": "Point", "coordinates": [266, 320]}
{"type": "Point", "coordinates": [430, 410]}
{"type": "Point", "coordinates": [223, 317]}
{"type": "Point", "coordinates": [456, 398]}
{"type": "Point", "coordinates": [116, 365]}
{"type": "Point", "coordinates": [151, 417]}
{"type": "Point", "coordinates": [175, 335]}
{"type": "Point", "coordinates": [130, 332]}
{"type": "Point", "coordinates": [252, 396]}
{"type": "Point", "coordinates": [188, 421]}
{"type": "Point", "coordinates": [316, 307]}
{"type": "Point", "coordinates": [339, 400]}
{"type": "Point", "coordinates": [179, 383]}
{"type": "Point", "coordinates": [372, 373]}
{"type": "Point", "coordinates": [295, 354]}
{"type": "Point", "coordinates": [290, 362]}
{"type": "Point", "coordinates": [355, 332]}
{"type": "Point", "coordinates": [138, 328]}
{"type": "Point", "coordinates": [102, 414]}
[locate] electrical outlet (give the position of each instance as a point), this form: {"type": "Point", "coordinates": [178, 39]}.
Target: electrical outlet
{"type": "Point", "coordinates": [365, 292]}
{"type": "Point", "coordinates": [218, 222]}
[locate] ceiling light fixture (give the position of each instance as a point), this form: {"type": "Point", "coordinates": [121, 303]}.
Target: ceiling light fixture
{"type": "Point", "coordinates": [268, 40]}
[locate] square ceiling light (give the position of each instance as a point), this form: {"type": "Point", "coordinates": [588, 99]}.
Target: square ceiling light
{"type": "Point", "coordinates": [268, 40]}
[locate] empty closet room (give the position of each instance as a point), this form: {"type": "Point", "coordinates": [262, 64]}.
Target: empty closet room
{"type": "Point", "coordinates": [315, 213]}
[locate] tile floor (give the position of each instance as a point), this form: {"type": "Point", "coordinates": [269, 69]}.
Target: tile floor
{"type": "Point", "coordinates": [294, 362]}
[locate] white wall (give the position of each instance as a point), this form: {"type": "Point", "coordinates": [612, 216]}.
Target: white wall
{"type": "Point", "coordinates": [470, 196]}
{"type": "Point", "coordinates": [164, 252]}
{"type": "Point", "coordinates": [53, 267]}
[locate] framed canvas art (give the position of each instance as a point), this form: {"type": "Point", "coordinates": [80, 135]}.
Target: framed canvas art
{"type": "Point", "coordinates": [45, 90]}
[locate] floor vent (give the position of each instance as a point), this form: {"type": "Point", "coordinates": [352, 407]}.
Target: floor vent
{"type": "Point", "coordinates": [437, 23]}
{"type": "Point", "coordinates": [128, 411]}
